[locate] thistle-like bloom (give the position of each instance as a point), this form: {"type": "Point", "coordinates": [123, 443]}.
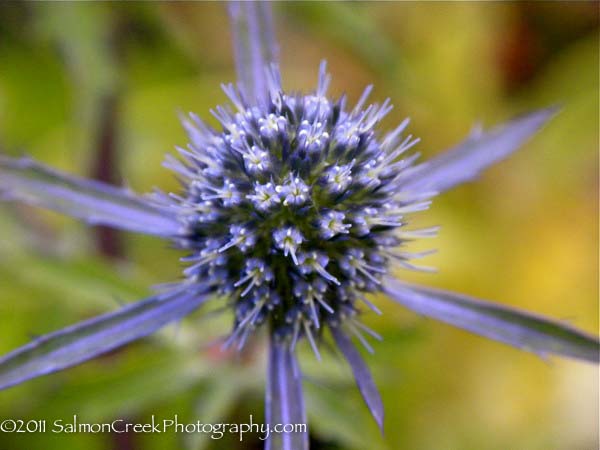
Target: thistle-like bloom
{"type": "Point", "coordinates": [296, 208]}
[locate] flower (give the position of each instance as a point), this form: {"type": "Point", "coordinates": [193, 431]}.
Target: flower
{"type": "Point", "coordinates": [294, 208]}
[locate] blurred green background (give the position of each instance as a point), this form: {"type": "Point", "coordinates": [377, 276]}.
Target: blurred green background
{"type": "Point", "coordinates": [95, 89]}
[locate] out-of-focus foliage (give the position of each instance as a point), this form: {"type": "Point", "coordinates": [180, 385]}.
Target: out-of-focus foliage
{"type": "Point", "coordinates": [526, 234]}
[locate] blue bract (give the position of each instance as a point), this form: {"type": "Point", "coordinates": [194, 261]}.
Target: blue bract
{"type": "Point", "coordinates": [296, 208]}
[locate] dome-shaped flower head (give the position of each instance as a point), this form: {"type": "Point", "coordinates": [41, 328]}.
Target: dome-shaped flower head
{"type": "Point", "coordinates": [296, 207]}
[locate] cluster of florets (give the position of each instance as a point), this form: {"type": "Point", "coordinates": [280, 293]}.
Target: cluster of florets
{"type": "Point", "coordinates": [293, 209]}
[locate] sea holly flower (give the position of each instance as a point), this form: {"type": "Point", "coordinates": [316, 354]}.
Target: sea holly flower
{"type": "Point", "coordinates": [296, 208]}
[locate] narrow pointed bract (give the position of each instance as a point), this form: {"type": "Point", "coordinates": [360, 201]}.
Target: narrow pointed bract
{"type": "Point", "coordinates": [254, 45]}
{"type": "Point", "coordinates": [94, 202]}
{"type": "Point", "coordinates": [284, 402]}
{"type": "Point", "coordinates": [469, 158]}
{"type": "Point", "coordinates": [521, 329]}
{"type": "Point", "coordinates": [362, 375]}
{"type": "Point", "coordinates": [78, 343]}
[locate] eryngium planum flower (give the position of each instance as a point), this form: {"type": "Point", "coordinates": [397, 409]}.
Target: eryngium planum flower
{"type": "Point", "coordinates": [295, 208]}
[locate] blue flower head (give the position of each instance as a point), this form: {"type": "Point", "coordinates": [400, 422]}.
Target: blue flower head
{"type": "Point", "coordinates": [296, 208]}
{"type": "Point", "coordinates": [298, 190]}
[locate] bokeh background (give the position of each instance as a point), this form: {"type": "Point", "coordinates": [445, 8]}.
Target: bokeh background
{"type": "Point", "coordinates": [96, 88]}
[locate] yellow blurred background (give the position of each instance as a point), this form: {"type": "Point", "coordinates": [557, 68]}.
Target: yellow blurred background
{"type": "Point", "coordinates": [96, 88]}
